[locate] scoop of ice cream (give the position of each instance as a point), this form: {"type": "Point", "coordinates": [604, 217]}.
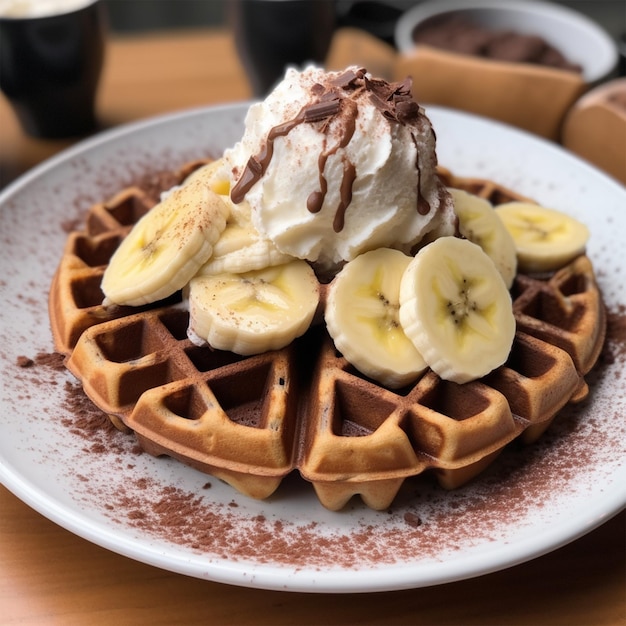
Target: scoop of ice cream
{"type": "Point", "coordinates": [337, 163]}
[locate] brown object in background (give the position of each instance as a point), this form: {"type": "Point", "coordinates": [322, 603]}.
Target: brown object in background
{"type": "Point", "coordinates": [455, 33]}
{"type": "Point", "coordinates": [531, 97]}
{"type": "Point", "coordinates": [595, 128]}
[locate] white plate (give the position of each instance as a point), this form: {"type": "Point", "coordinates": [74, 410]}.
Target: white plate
{"type": "Point", "coordinates": [97, 484]}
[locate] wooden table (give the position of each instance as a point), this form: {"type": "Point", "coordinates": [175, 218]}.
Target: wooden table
{"type": "Point", "coordinates": [50, 576]}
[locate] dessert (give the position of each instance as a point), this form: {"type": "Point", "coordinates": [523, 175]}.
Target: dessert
{"type": "Point", "coordinates": [451, 385]}
{"type": "Point", "coordinates": [329, 189]}
{"type": "Point", "coordinates": [464, 36]}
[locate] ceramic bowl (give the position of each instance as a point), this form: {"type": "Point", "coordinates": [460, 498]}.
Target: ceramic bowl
{"type": "Point", "coordinates": [529, 96]}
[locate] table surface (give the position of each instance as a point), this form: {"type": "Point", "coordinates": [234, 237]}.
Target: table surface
{"type": "Point", "coordinates": [50, 576]}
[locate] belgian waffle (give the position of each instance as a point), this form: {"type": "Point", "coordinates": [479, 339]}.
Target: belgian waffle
{"type": "Point", "coordinates": [252, 420]}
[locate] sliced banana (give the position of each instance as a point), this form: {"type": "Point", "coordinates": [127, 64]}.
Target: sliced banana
{"type": "Point", "coordinates": [456, 309]}
{"type": "Point", "coordinates": [241, 248]}
{"type": "Point", "coordinates": [213, 174]}
{"type": "Point", "coordinates": [479, 223]}
{"type": "Point", "coordinates": [166, 247]}
{"type": "Point", "coordinates": [253, 312]}
{"type": "Point", "coordinates": [362, 318]}
{"type": "Point", "coordinates": [545, 239]}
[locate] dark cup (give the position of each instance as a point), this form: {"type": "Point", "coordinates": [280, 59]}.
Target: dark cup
{"type": "Point", "coordinates": [50, 69]}
{"type": "Point", "coordinates": [271, 34]}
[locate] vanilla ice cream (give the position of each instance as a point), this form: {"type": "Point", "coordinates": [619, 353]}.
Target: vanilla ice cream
{"type": "Point", "coordinates": [337, 163]}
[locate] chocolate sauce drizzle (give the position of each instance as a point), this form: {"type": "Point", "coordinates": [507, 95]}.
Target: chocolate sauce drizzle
{"type": "Point", "coordinates": [338, 100]}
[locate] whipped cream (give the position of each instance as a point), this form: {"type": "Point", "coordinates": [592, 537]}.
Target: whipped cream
{"type": "Point", "coordinates": [337, 163]}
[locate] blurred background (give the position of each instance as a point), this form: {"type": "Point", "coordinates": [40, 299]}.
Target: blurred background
{"type": "Point", "coordinates": [168, 55]}
{"type": "Point", "coordinates": [146, 15]}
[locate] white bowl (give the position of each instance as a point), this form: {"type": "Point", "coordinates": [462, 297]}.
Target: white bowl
{"type": "Point", "coordinates": [577, 37]}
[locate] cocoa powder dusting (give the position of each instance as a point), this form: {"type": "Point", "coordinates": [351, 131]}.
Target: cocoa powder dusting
{"type": "Point", "coordinates": [615, 346]}
{"type": "Point", "coordinates": [424, 522]}
{"type": "Point", "coordinates": [24, 361]}
{"type": "Point", "coordinates": [53, 360]}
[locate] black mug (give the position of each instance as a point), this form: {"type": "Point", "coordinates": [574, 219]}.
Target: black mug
{"type": "Point", "coordinates": [50, 67]}
{"type": "Point", "coordinates": [273, 34]}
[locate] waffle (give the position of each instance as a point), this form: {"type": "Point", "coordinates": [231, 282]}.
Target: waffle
{"type": "Point", "coordinates": [251, 421]}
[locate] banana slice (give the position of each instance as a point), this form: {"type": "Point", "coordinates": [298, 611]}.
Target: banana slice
{"type": "Point", "coordinates": [253, 312]}
{"type": "Point", "coordinates": [456, 309]}
{"type": "Point", "coordinates": [166, 247]}
{"type": "Point", "coordinates": [213, 174]}
{"type": "Point", "coordinates": [545, 239]}
{"type": "Point", "coordinates": [362, 318]}
{"type": "Point", "coordinates": [479, 223]}
{"type": "Point", "coordinates": [241, 248]}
